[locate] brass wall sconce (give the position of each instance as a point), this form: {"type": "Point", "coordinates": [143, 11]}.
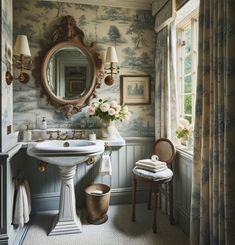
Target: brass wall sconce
{"type": "Point", "coordinates": [111, 58]}
{"type": "Point", "coordinates": [21, 60]}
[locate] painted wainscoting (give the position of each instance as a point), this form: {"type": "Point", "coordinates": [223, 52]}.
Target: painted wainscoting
{"type": "Point", "coordinates": [182, 189]}
{"type": "Point", "coordinates": [3, 199]}
{"type": "Point", "coordinates": [45, 187]}
{"type": "Point", "coordinates": [9, 234]}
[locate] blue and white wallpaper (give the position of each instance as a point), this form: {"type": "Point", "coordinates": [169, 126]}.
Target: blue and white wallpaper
{"type": "Point", "coordinates": [131, 31]}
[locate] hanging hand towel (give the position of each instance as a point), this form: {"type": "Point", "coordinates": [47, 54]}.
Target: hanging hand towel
{"type": "Point", "coordinates": [26, 184]}
{"type": "Point", "coordinates": [105, 165]}
{"type": "Point", "coordinates": [22, 205]}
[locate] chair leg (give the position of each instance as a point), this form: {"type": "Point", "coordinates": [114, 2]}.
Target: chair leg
{"type": "Point", "coordinates": [155, 212]}
{"type": "Point", "coordinates": [166, 198]}
{"type": "Point", "coordinates": [150, 197]}
{"type": "Point", "coordinates": [160, 199]}
{"type": "Point", "coordinates": [134, 184]}
{"type": "Point", "coordinates": [172, 220]}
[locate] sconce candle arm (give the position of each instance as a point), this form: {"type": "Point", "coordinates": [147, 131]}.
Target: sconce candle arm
{"type": "Point", "coordinates": [111, 58]}
{"type": "Point", "coordinates": [23, 77]}
{"type": "Point", "coordinates": [21, 49]}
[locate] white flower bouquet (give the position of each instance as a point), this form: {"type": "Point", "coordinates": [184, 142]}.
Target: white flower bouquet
{"type": "Point", "coordinates": [184, 129]}
{"type": "Point", "coordinates": [109, 111]}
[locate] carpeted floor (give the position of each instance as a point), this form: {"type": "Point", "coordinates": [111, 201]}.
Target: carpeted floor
{"type": "Point", "coordinates": [118, 230]}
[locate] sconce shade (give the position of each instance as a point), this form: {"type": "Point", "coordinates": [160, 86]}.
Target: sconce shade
{"type": "Point", "coordinates": [21, 46]}
{"type": "Point", "coordinates": [111, 55]}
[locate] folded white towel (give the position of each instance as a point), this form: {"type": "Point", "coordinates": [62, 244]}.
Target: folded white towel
{"type": "Point", "coordinates": [150, 163]}
{"type": "Point", "coordinates": [22, 205]}
{"type": "Point", "coordinates": [150, 167]}
{"type": "Point", "coordinates": [97, 193]}
{"type": "Point", "coordinates": [105, 165]}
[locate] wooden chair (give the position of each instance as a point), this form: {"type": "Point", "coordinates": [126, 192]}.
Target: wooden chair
{"type": "Point", "coordinates": [166, 152]}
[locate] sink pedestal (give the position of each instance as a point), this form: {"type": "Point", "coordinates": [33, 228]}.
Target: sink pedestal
{"type": "Point", "coordinates": [67, 221]}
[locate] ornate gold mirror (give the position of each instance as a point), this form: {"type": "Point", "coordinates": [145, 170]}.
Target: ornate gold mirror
{"type": "Point", "coordinates": [71, 71]}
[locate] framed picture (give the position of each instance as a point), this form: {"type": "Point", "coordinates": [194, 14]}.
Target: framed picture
{"type": "Point", "coordinates": [135, 89]}
{"type": "Point", "coordinates": [76, 86]}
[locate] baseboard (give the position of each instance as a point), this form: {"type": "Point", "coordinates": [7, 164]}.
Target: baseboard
{"type": "Point", "coordinates": [21, 235]}
{"type": "Point", "coordinates": [123, 196]}
{"type": "Point", "coordinates": [45, 202]}
{"type": "Point", "coordinates": [4, 239]}
{"type": "Point", "coordinates": [50, 201]}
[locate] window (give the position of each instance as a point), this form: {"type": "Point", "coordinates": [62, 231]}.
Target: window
{"type": "Point", "coordinates": [187, 53]}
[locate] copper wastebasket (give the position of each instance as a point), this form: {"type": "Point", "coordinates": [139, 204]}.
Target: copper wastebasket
{"type": "Point", "coordinates": [97, 203]}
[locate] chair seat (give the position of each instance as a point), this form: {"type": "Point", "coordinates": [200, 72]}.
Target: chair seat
{"type": "Point", "coordinates": [161, 175]}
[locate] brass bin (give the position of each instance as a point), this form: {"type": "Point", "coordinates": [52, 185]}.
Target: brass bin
{"type": "Point", "coordinates": [97, 203]}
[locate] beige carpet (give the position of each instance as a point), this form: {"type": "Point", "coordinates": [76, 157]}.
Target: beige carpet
{"type": "Point", "coordinates": [118, 230]}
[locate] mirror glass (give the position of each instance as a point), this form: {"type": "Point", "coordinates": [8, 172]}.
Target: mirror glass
{"type": "Point", "coordinates": [69, 73]}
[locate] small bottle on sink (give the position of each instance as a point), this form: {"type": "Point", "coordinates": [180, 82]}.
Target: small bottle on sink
{"type": "Point", "coordinates": [44, 123]}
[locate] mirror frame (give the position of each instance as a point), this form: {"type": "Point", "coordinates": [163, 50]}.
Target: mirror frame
{"type": "Point", "coordinates": [68, 34]}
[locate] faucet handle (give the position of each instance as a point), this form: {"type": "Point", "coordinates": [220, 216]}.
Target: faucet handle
{"type": "Point", "coordinates": [50, 135]}
{"type": "Point", "coordinates": [83, 134]}
{"type": "Point", "coordinates": [66, 135]}
{"type": "Point", "coordinates": [58, 134]}
{"type": "Point", "coordinates": [74, 134]}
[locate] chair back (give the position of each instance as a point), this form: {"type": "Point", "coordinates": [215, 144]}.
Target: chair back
{"type": "Point", "coordinates": [165, 150]}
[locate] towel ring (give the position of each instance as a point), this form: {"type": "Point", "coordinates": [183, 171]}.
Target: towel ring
{"type": "Point", "coordinates": [19, 178]}
{"type": "Point", "coordinates": [108, 147]}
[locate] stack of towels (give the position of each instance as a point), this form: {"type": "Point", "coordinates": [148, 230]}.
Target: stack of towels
{"type": "Point", "coordinates": [153, 164]}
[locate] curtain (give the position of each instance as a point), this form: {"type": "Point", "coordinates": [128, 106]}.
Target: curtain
{"type": "Point", "coordinates": [165, 87]}
{"type": "Point", "coordinates": [213, 188]}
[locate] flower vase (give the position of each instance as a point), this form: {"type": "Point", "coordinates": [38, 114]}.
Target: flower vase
{"type": "Point", "coordinates": [109, 130]}
{"type": "Point", "coordinates": [184, 140]}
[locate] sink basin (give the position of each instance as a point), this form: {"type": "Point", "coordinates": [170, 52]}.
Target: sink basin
{"type": "Point", "coordinates": [83, 146]}
{"type": "Point", "coordinates": [66, 155]}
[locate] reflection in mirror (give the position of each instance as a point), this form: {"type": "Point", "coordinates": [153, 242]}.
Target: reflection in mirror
{"type": "Point", "coordinates": [69, 73]}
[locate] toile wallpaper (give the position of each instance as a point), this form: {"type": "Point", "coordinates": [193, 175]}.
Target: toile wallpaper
{"type": "Point", "coordinates": [131, 31]}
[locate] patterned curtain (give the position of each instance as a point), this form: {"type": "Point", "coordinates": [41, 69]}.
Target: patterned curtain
{"type": "Point", "coordinates": [165, 87]}
{"type": "Point", "coordinates": [213, 190]}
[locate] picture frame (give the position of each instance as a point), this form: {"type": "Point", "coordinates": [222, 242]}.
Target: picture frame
{"type": "Point", "coordinates": [76, 86]}
{"type": "Point", "coordinates": [135, 89]}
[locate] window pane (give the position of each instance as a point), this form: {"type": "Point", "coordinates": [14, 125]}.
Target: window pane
{"type": "Point", "coordinates": [187, 64]}
{"type": "Point", "coordinates": [188, 104]}
{"type": "Point", "coordinates": [188, 84]}
{"type": "Point", "coordinates": [188, 41]}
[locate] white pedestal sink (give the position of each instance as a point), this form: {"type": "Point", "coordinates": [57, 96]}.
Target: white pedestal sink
{"type": "Point", "coordinates": [66, 155]}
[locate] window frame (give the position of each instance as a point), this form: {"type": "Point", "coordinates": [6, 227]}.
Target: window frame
{"type": "Point", "coordinates": [189, 20]}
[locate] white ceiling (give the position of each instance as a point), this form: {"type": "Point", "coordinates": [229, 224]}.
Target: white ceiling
{"type": "Point", "coordinates": [134, 4]}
